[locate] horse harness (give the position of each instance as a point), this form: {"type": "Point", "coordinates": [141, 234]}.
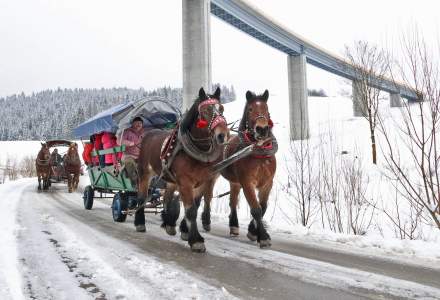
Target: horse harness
{"type": "Point", "coordinates": [43, 162]}
{"type": "Point", "coordinates": [181, 139]}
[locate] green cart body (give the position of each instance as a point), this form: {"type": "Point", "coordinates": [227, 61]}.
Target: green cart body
{"type": "Point", "coordinates": [105, 179]}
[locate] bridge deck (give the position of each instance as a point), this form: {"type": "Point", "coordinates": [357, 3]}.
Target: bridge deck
{"type": "Point", "coordinates": [248, 19]}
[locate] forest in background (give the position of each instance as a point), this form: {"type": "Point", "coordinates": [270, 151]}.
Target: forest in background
{"type": "Point", "coordinates": [51, 114]}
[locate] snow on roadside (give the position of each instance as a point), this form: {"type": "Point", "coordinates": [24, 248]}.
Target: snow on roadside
{"type": "Point", "coordinates": [110, 267]}
{"type": "Point", "coordinates": [321, 273]}
{"type": "Point", "coordinates": [10, 278]}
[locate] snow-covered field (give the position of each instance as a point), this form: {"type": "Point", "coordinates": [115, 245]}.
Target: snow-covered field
{"type": "Point", "coordinates": [329, 117]}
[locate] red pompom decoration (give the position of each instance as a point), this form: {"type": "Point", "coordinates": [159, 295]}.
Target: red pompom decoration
{"type": "Point", "coordinates": [270, 123]}
{"type": "Point", "coordinates": [201, 123]}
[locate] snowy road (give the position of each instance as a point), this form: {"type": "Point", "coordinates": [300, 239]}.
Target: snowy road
{"type": "Point", "coordinates": [54, 249]}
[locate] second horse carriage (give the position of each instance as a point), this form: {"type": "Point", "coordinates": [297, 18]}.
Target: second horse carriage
{"type": "Point", "coordinates": [58, 173]}
{"type": "Point", "coordinates": [112, 176]}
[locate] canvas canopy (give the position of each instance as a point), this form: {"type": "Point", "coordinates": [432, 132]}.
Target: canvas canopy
{"type": "Point", "coordinates": [58, 143]}
{"type": "Point", "coordinates": [154, 111]}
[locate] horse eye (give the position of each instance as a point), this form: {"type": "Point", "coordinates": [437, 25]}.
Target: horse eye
{"type": "Point", "coordinates": [219, 108]}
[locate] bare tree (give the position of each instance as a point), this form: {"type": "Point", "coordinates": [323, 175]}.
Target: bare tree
{"type": "Point", "coordinates": [355, 184]}
{"type": "Point", "coordinates": [27, 166]}
{"type": "Point", "coordinates": [416, 171]}
{"type": "Point", "coordinates": [11, 168]}
{"type": "Point", "coordinates": [301, 179]}
{"type": "Point", "coordinates": [368, 64]}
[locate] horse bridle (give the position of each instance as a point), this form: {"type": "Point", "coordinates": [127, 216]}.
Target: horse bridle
{"type": "Point", "coordinates": [189, 141]}
{"type": "Point", "coordinates": [216, 117]}
{"type": "Point", "coordinates": [259, 116]}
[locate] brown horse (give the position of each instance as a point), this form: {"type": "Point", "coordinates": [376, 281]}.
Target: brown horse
{"type": "Point", "coordinates": [254, 172]}
{"type": "Point", "coordinates": [186, 159]}
{"type": "Point", "coordinates": [72, 167]}
{"type": "Point", "coordinates": [42, 166]}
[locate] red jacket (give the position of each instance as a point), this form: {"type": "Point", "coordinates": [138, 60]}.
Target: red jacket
{"type": "Point", "coordinates": [87, 153]}
{"type": "Point", "coordinates": [98, 146]}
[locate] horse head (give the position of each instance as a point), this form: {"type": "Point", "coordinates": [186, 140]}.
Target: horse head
{"type": "Point", "coordinates": [72, 150]}
{"type": "Point", "coordinates": [256, 118]}
{"type": "Point", "coordinates": [205, 117]}
{"type": "Point", "coordinates": [44, 153]}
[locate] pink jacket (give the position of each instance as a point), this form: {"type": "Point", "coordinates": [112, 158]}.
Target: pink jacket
{"type": "Point", "coordinates": [132, 141]}
{"type": "Point", "coordinates": [109, 141]}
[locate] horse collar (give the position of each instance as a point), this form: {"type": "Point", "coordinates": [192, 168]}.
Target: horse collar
{"type": "Point", "coordinates": [193, 151]}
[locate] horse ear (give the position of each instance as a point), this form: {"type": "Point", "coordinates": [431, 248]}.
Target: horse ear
{"type": "Point", "coordinates": [265, 96]}
{"type": "Point", "coordinates": [202, 94]}
{"type": "Point", "coordinates": [250, 96]}
{"type": "Point", "coordinates": [217, 94]}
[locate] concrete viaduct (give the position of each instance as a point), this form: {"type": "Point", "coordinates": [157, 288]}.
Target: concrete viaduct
{"type": "Point", "coordinates": [299, 52]}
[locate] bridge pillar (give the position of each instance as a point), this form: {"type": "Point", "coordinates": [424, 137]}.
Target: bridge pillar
{"type": "Point", "coordinates": [298, 106]}
{"type": "Point", "coordinates": [196, 43]}
{"type": "Point", "coordinates": [395, 100]}
{"type": "Point", "coordinates": [358, 104]}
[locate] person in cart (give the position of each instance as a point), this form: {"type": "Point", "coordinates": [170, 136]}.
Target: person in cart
{"type": "Point", "coordinates": [132, 138]}
{"type": "Point", "coordinates": [55, 158]}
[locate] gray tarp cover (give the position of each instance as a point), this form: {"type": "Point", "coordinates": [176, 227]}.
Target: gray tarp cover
{"type": "Point", "coordinates": [155, 111]}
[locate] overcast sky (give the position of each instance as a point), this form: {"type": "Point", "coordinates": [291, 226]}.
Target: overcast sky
{"type": "Point", "coordinates": [45, 44]}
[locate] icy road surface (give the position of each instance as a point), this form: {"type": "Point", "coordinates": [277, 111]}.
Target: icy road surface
{"type": "Point", "coordinates": [51, 248]}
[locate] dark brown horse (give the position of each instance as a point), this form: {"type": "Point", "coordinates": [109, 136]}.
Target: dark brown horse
{"type": "Point", "coordinates": [42, 166]}
{"type": "Point", "coordinates": [254, 172]}
{"type": "Point", "coordinates": [186, 159]}
{"type": "Point", "coordinates": [72, 167]}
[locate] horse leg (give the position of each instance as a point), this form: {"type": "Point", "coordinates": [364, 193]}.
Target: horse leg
{"type": "Point", "coordinates": [263, 196]}
{"type": "Point", "coordinates": [195, 240]}
{"type": "Point", "coordinates": [206, 214]}
{"type": "Point", "coordinates": [75, 181]}
{"type": "Point", "coordinates": [139, 217]}
{"type": "Point", "coordinates": [233, 201]}
{"type": "Point", "coordinates": [171, 210]}
{"type": "Point", "coordinates": [46, 181]}
{"type": "Point", "coordinates": [184, 229]}
{"type": "Point", "coordinates": [69, 182]}
{"type": "Point", "coordinates": [256, 230]}
{"type": "Point", "coordinates": [39, 182]}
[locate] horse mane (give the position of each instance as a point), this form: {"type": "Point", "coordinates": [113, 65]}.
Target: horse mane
{"type": "Point", "coordinates": [244, 118]}
{"type": "Point", "coordinates": [190, 116]}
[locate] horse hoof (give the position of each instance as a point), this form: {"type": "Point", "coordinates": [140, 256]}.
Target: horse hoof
{"type": "Point", "coordinates": [234, 231]}
{"type": "Point", "coordinates": [184, 236]}
{"type": "Point", "coordinates": [252, 237]}
{"type": "Point", "coordinates": [207, 227]}
{"type": "Point", "coordinates": [171, 230]}
{"type": "Point", "coordinates": [265, 244]}
{"type": "Point", "coordinates": [198, 247]}
{"type": "Point", "coordinates": [140, 228]}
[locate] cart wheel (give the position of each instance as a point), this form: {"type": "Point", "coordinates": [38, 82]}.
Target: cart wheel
{"type": "Point", "coordinates": [119, 205]}
{"type": "Point", "coordinates": [88, 197]}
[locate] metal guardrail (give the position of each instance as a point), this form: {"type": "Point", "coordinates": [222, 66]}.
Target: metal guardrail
{"type": "Point", "coordinates": [255, 23]}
